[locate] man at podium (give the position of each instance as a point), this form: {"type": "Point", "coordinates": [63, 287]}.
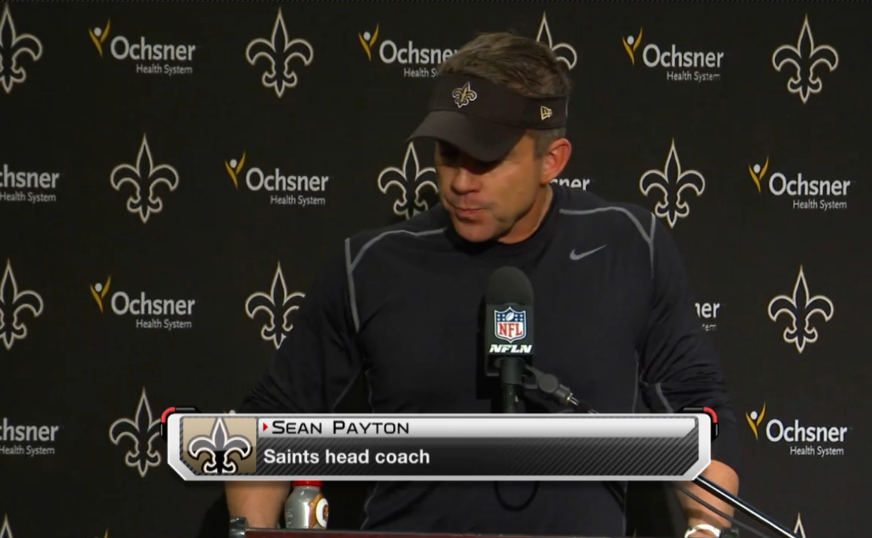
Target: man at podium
{"type": "Point", "coordinates": [399, 306]}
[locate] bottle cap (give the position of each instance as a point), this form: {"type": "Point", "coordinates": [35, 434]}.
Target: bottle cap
{"type": "Point", "coordinates": [298, 483]}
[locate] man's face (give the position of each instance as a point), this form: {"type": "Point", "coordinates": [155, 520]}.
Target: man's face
{"type": "Point", "coordinates": [485, 200]}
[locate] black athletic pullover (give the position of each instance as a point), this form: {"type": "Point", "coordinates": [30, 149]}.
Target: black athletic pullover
{"type": "Point", "coordinates": [401, 307]}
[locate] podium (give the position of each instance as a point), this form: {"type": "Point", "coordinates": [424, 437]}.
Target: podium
{"type": "Point", "coordinates": [282, 533]}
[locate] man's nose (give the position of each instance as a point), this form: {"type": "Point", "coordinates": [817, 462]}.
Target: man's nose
{"type": "Point", "coordinates": [464, 181]}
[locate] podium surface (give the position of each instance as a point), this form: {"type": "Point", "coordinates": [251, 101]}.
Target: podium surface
{"type": "Point", "coordinates": [284, 533]}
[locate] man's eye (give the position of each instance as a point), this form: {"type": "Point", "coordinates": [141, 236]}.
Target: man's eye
{"type": "Point", "coordinates": [449, 154]}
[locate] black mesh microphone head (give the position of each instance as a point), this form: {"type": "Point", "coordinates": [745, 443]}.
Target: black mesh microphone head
{"type": "Point", "coordinates": [509, 285]}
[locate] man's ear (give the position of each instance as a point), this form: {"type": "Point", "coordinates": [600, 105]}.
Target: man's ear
{"type": "Point", "coordinates": [555, 159]}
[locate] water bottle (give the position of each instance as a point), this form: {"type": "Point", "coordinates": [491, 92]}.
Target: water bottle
{"type": "Point", "coordinates": [306, 507]}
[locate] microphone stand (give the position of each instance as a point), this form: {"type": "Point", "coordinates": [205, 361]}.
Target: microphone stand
{"type": "Point", "coordinates": [550, 386]}
{"type": "Point", "coordinates": [512, 380]}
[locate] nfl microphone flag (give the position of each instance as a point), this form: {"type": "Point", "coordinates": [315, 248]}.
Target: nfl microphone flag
{"type": "Point", "coordinates": [601, 447]}
{"type": "Point", "coordinates": [510, 324]}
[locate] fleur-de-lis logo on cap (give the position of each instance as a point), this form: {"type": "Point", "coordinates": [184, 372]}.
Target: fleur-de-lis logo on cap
{"type": "Point", "coordinates": [12, 48]}
{"type": "Point", "coordinates": [755, 419]}
{"type": "Point", "coordinates": [279, 51]}
{"type": "Point", "coordinates": [463, 95]}
{"type": "Point", "coordinates": [13, 302]}
{"type": "Point", "coordinates": [805, 57]}
{"type": "Point", "coordinates": [142, 431]}
{"type": "Point", "coordinates": [672, 181]}
{"type": "Point", "coordinates": [278, 305]}
{"type": "Point", "coordinates": [800, 307]}
{"type": "Point", "coordinates": [410, 181]}
{"type": "Point", "coordinates": [145, 178]}
{"type": "Point", "coordinates": [219, 447]}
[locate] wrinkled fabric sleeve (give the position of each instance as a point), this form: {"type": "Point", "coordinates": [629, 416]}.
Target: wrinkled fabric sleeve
{"type": "Point", "coordinates": [678, 364]}
{"type": "Point", "coordinates": [318, 360]}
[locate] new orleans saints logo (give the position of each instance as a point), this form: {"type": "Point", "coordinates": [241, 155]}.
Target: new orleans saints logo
{"type": "Point", "coordinates": [144, 178]}
{"type": "Point", "coordinates": [142, 430]}
{"type": "Point", "coordinates": [279, 305]}
{"type": "Point", "coordinates": [13, 48]}
{"type": "Point", "coordinates": [412, 181]}
{"type": "Point", "coordinates": [672, 182]}
{"type": "Point", "coordinates": [800, 308]}
{"type": "Point", "coordinates": [463, 95]}
{"type": "Point", "coordinates": [13, 303]}
{"type": "Point", "coordinates": [805, 58]}
{"type": "Point", "coordinates": [280, 51]}
{"type": "Point", "coordinates": [219, 445]}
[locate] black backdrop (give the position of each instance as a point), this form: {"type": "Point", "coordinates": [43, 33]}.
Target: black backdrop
{"type": "Point", "coordinates": [71, 113]}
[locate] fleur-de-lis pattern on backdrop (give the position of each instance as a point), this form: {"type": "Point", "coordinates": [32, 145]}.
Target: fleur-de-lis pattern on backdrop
{"type": "Point", "coordinates": [410, 181]}
{"type": "Point", "coordinates": [279, 52]}
{"type": "Point", "coordinates": [277, 307]}
{"type": "Point", "coordinates": [673, 185]}
{"type": "Point", "coordinates": [165, 210]}
{"type": "Point", "coordinates": [145, 179]}
{"type": "Point", "coordinates": [16, 48]}
{"type": "Point", "coordinates": [564, 52]}
{"type": "Point", "coordinates": [805, 62]}
{"type": "Point", "coordinates": [15, 304]}
{"type": "Point", "coordinates": [6, 529]}
{"type": "Point", "coordinates": [798, 528]}
{"type": "Point", "coordinates": [140, 434]}
{"type": "Point", "coordinates": [801, 307]}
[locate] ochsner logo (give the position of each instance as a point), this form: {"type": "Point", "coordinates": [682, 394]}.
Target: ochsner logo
{"type": "Point", "coordinates": [803, 439]}
{"type": "Point", "coordinates": [27, 185]}
{"type": "Point", "coordinates": [424, 61]}
{"type": "Point", "coordinates": [680, 64]}
{"type": "Point", "coordinates": [27, 439]}
{"type": "Point", "coordinates": [149, 312]}
{"type": "Point", "coordinates": [572, 182]}
{"type": "Point", "coordinates": [290, 188]}
{"type": "Point", "coordinates": [151, 58]}
{"type": "Point", "coordinates": [417, 61]}
{"type": "Point", "coordinates": [804, 192]}
{"type": "Point", "coordinates": [708, 314]}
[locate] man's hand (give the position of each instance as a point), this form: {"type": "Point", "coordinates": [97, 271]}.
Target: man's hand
{"type": "Point", "coordinates": [260, 503]}
{"type": "Point", "coordinates": [726, 478]}
{"type": "Point", "coordinates": [701, 534]}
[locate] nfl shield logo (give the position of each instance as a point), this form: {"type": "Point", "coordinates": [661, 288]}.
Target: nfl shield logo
{"type": "Point", "coordinates": [510, 324]}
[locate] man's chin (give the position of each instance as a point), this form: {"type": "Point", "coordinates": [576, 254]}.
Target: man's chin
{"type": "Point", "coordinates": [474, 232]}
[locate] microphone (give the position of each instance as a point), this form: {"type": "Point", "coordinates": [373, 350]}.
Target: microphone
{"type": "Point", "coordinates": [508, 331]}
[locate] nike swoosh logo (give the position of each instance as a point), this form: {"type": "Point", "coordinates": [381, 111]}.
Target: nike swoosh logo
{"type": "Point", "coordinates": [575, 257]}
